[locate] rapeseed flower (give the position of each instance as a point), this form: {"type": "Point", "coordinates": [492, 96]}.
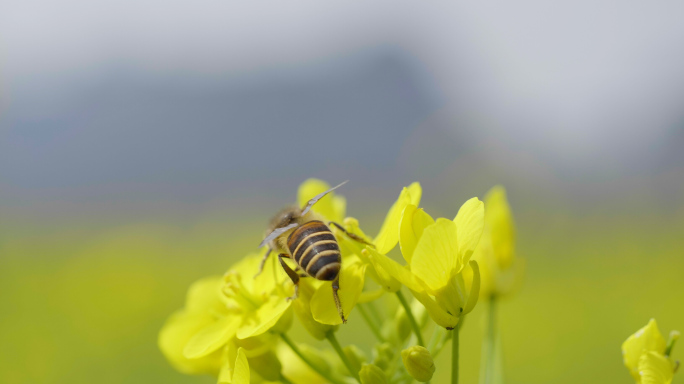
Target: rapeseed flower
{"type": "Point", "coordinates": [438, 255]}
{"type": "Point", "coordinates": [220, 312]}
{"type": "Point", "coordinates": [647, 356]}
{"type": "Point", "coordinates": [254, 306]}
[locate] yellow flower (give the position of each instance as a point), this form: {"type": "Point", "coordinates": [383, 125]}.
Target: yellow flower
{"type": "Point", "coordinates": [354, 268]}
{"type": "Point", "coordinates": [645, 354]}
{"type": "Point", "coordinates": [439, 254]}
{"type": "Point", "coordinates": [500, 269]}
{"type": "Point", "coordinates": [218, 310]}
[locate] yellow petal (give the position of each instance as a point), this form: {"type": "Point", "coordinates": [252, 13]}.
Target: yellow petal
{"type": "Point", "coordinates": [241, 371]}
{"type": "Point", "coordinates": [174, 335]}
{"type": "Point", "coordinates": [435, 258]}
{"type": "Point", "coordinates": [211, 337]}
{"type": "Point", "coordinates": [205, 295]}
{"type": "Point", "coordinates": [330, 206]}
{"type": "Point", "coordinates": [436, 312]}
{"type": "Point", "coordinates": [389, 232]}
{"type": "Point", "coordinates": [474, 288]}
{"type": "Point", "coordinates": [302, 307]}
{"type": "Point", "coordinates": [416, 192]}
{"type": "Point", "coordinates": [469, 225]}
{"type": "Point", "coordinates": [339, 207]}
{"type": "Point", "coordinates": [413, 222]}
{"type": "Point", "coordinates": [655, 368]}
{"type": "Point", "coordinates": [352, 277]}
{"type": "Point", "coordinates": [401, 273]}
{"type": "Point", "coordinates": [265, 318]}
{"type": "Point", "coordinates": [644, 340]}
{"type": "Point", "coordinates": [229, 356]}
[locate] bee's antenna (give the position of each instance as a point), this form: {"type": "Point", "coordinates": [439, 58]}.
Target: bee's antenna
{"type": "Point", "coordinates": [315, 199]}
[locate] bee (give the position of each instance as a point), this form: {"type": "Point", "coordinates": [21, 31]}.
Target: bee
{"type": "Point", "coordinates": [303, 236]}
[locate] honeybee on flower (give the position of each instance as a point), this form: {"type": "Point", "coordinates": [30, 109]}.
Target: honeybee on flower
{"type": "Point", "coordinates": [301, 235]}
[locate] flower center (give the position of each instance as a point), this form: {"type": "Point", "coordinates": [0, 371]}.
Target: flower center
{"type": "Point", "coordinates": [235, 290]}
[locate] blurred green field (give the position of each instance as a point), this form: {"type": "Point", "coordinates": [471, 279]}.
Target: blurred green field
{"type": "Point", "coordinates": [84, 304]}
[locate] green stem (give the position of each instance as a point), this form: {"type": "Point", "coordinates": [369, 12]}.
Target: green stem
{"type": "Point", "coordinates": [454, 356]}
{"type": "Point", "coordinates": [412, 320]}
{"type": "Point", "coordinates": [284, 380]}
{"type": "Point", "coordinates": [338, 348]}
{"type": "Point", "coordinates": [370, 322]}
{"type": "Point", "coordinates": [491, 342]}
{"type": "Point", "coordinates": [308, 362]}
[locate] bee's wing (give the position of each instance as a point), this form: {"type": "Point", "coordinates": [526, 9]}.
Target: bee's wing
{"type": "Point", "coordinates": [315, 199]}
{"type": "Point", "coordinates": [277, 232]}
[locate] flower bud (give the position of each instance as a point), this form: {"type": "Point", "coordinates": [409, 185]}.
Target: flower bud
{"type": "Point", "coordinates": [384, 353]}
{"type": "Point", "coordinates": [356, 357]}
{"type": "Point", "coordinates": [402, 325]}
{"type": "Point", "coordinates": [372, 374]}
{"type": "Point", "coordinates": [418, 363]}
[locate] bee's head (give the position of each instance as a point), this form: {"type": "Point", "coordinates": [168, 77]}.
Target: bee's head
{"type": "Point", "coordinates": [284, 217]}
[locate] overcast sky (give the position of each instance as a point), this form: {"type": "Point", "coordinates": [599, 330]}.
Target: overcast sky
{"type": "Point", "coordinates": [165, 96]}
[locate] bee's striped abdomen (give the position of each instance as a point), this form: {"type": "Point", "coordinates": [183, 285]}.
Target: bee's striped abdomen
{"type": "Point", "coordinates": [314, 248]}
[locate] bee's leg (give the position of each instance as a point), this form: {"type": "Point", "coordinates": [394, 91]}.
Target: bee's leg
{"type": "Point", "coordinates": [351, 235]}
{"type": "Point", "coordinates": [293, 275]}
{"type": "Point", "coordinates": [298, 270]}
{"type": "Point", "coordinates": [335, 288]}
{"type": "Point", "coordinates": [263, 262]}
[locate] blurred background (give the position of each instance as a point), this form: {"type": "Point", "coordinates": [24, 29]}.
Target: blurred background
{"type": "Point", "coordinates": [145, 144]}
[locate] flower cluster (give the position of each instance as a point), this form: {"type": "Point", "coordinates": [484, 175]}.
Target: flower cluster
{"type": "Point", "coordinates": [236, 326]}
